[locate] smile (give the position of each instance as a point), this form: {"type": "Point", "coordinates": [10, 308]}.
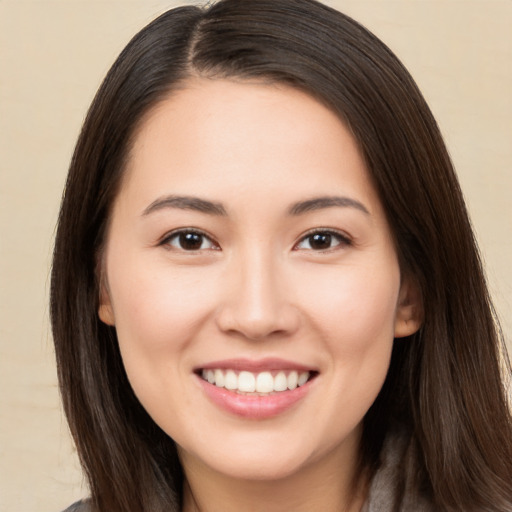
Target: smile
{"type": "Point", "coordinates": [261, 383]}
{"type": "Point", "coordinates": [256, 390]}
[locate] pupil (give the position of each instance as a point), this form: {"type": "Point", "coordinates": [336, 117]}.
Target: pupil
{"type": "Point", "coordinates": [320, 241]}
{"type": "Point", "coordinates": [191, 241]}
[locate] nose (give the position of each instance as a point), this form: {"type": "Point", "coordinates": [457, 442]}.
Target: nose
{"type": "Point", "coordinates": [258, 302]}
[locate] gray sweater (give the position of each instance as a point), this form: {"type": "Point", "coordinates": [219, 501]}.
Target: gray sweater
{"type": "Point", "coordinates": [397, 472]}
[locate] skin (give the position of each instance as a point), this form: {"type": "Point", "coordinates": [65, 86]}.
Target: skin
{"type": "Point", "coordinates": [256, 288]}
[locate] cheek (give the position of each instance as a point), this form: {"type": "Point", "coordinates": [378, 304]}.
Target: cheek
{"type": "Point", "coordinates": [353, 316]}
{"type": "Point", "coordinates": [356, 305]}
{"type": "Point", "coordinates": [157, 313]}
{"type": "Point", "coordinates": [157, 308]}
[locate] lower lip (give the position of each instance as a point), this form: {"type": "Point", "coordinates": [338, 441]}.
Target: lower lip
{"type": "Point", "coordinates": [254, 406]}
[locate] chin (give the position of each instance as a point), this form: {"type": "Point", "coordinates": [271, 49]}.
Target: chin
{"type": "Point", "coordinates": [261, 469]}
{"type": "Point", "coordinates": [263, 457]}
{"type": "Point", "coordinates": [271, 469]}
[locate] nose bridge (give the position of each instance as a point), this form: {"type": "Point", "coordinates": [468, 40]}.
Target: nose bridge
{"type": "Point", "coordinates": [257, 304]}
{"type": "Point", "coordinates": [259, 288]}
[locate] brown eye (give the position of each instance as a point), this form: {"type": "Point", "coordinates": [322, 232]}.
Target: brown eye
{"type": "Point", "coordinates": [189, 241]}
{"type": "Point", "coordinates": [322, 241]}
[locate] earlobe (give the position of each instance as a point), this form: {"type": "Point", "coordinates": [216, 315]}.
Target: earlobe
{"type": "Point", "coordinates": [409, 311]}
{"type": "Point", "coordinates": [105, 311]}
{"type": "Point", "coordinates": [106, 314]}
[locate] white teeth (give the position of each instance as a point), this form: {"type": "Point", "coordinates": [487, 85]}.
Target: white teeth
{"type": "Point", "coordinates": [219, 378]}
{"type": "Point", "coordinates": [303, 378]}
{"type": "Point", "coordinates": [231, 380]}
{"type": "Point", "coordinates": [261, 383]}
{"type": "Point", "coordinates": [246, 382]}
{"type": "Point", "coordinates": [280, 382]}
{"type": "Point", "coordinates": [293, 380]}
{"type": "Point", "coordinates": [265, 382]}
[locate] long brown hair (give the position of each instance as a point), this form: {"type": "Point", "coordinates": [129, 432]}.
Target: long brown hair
{"type": "Point", "coordinates": [444, 384]}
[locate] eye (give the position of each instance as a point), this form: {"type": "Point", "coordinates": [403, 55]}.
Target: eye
{"type": "Point", "coordinates": [189, 240]}
{"type": "Point", "coordinates": [322, 240]}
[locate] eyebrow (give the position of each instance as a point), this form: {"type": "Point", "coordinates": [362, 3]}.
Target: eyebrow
{"type": "Point", "coordinates": [215, 208]}
{"type": "Point", "coordinates": [319, 203]}
{"type": "Point", "coordinates": [186, 203]}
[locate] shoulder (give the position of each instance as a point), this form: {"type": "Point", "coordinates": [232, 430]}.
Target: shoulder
{"type": "Point", "coordinates": [80, 506]}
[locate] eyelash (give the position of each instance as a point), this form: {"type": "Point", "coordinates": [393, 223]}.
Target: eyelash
{"type": "Point", "coordinates": [342, 239]}
{"type": "Point", "coordinates": [166, 241]}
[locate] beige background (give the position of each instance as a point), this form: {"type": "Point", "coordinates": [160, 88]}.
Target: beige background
{"type": "Point", "coordinates": [53, 55]}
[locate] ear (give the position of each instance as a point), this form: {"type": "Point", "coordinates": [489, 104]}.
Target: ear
{"type": "Point", "coordinates": [105, 310]}
{"type": "Point", "coordinates": [409, 311]}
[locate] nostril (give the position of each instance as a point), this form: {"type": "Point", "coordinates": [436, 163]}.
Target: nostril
{"type": "Point", "coordinates": [256, 324]}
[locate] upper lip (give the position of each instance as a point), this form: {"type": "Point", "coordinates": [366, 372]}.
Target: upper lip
{"type": "Point", "coordinates": [255, 366]}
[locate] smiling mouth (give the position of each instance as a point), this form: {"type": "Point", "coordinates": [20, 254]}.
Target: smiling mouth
{"type": "Point", "coordinates": [260, 383]}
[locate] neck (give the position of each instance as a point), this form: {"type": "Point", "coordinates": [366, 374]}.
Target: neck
{"type": "Point", "coordinates": [332, 484]}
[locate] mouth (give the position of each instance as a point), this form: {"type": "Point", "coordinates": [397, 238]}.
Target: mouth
{"type": "Point", "coordinates": [256, 390]}
{"type": "Point", "coordinates": [262, 383]}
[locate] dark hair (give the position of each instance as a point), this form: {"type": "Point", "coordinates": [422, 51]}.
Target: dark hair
{"type": "Point", "coordinates": [444, 383]}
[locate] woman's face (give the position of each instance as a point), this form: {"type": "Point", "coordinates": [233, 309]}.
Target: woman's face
{"type": "Point", "coordinates": [248, 250]}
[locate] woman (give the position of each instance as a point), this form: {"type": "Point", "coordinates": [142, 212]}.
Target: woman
{"type": "Point", "coordinates": [266, 294]}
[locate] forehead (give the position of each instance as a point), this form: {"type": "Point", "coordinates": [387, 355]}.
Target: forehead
{"type": "Point", "coordinates": [220, 136]}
